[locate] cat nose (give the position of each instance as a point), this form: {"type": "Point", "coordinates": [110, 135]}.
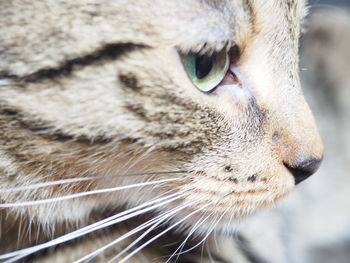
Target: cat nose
{"type": "Point", "coordinates": [304, 169]}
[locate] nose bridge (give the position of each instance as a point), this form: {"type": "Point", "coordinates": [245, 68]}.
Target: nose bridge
{"type": "Point", "coordinates": [291, 121]}
{"type": "Point", "coordinates": [296, 134]}
{"type": "Point", "coordinates": [274, 82]}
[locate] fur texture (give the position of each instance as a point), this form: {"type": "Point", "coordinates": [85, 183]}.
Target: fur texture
{"type": "Point", "coordinates": [92, 89]}
{"type": "Point", "coordinates": [312, 224]}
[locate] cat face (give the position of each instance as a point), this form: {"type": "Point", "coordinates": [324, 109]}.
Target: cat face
{"type": "Point", "coordinates": [98, 89]}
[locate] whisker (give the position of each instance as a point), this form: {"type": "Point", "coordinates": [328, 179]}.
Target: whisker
{"type": "Point", "coordinates": [194, 228]}
{"type": "Point", "coordinates": [132, 161]}
{"type": "Point", "coordinates": [155, 221]}
{"type": "Point", "coordinates": [211, 259]}
{"type": "Point", "coordinates": [88, 193]}
{"type": "Point", "coordinates": [216, 241]}
{"type": "Point", "coordinates": [82, 179]}
{"type": "Point", "coordinates": [161, 234]}
{"type": "Point", "coordinates": [207, 235]}
{"type": "Point", "coordinates": [19, 254]}
{"type": "Point", "coordinates": [130, 233]}
{"type": "Point", "coordinates": [165, 216]}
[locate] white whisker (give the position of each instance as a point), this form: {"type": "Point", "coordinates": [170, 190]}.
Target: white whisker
{"type": "Point", "coordinates": [160, 234]}
{"type": "Point", "coordinates": [77, 195]}
{"type": "Point", "coordinates": [82, 179]}
{"type": "Point", "coordinates": [155, 221]}
{"type": "Point", "coordinates": [165, 216]}
{"type": "Point", "coordinates": [16, 255]}
{"type": "Point", "coordinates": [207, 235]}
{"type": "Point", "coordinates": [132, 161]}
{"type": "Point", "coordinates": [209, 253]}
{"type": "Point", "coordinates": [193, 229]}
{"type": "Point", "coordinates": [216, 241]}
{"type": "Point", "coordinates": [128, 234]}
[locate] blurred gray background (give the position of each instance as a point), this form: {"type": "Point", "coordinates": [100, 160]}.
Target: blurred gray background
{"type": "Point", "coordinates": [339, 253]}
{"type": "Point", "coordinates": [330, 2]}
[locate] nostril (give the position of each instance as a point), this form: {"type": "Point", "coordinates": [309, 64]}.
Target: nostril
{"type": "Point", "coordinates": [304, 170]}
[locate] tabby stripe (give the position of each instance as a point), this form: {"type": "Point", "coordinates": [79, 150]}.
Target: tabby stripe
{"type": "Point", "coordinates": [250, 8]}
{"type": "Point", "coordinates": [108, 52]}
{"type": "Point", "coordinates": [42, 130]}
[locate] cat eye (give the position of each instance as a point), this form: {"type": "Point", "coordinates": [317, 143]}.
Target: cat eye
{"type": "Point", "coordinates": [206, 71]}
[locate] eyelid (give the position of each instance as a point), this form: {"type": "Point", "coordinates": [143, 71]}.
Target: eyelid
{"type": "Point", "coordinates": [207, 48]}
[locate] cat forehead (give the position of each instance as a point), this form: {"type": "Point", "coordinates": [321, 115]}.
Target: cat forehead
{"type": "Point", "coordinates": [68, 29]}
{"type": "Point", "coordinates": [191, 23]}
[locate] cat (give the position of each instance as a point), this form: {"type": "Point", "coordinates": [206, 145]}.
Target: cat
{"type": "Point", "coordinates": [131, 126]}
{"type": "Point", "coordinates": [312, 224]}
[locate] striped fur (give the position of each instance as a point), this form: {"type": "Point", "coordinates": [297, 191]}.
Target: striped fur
{"type": "Point", "coordinates": [93, 89]}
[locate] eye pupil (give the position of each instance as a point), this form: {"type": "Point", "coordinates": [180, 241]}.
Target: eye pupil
{"type": "Point", "coordinates": [206, 71]}
{"type": "Point", "coordinates": [204, 64]}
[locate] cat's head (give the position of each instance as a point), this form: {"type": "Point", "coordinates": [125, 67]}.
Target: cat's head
{"type": "Point", "coordinates": [201, 97]}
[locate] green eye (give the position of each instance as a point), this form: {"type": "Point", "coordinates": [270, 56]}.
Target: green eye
{"type": "Point", "coordinates": [206, 72]}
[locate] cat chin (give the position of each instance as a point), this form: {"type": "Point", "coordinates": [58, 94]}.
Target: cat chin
{"type": "Point", "coordinates": [226, 221]}
{"type": "Point", "coordinates": [227, 226]}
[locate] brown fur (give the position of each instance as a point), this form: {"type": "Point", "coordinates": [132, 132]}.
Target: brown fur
{"type": "Point", "coordinates": [97, 89]}
{"type": "Point", "coordinates": [312, 224]}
